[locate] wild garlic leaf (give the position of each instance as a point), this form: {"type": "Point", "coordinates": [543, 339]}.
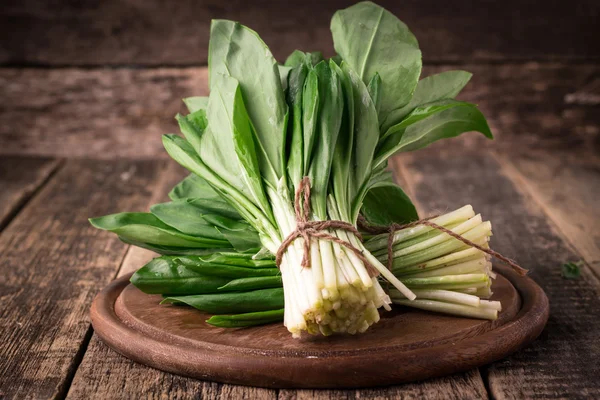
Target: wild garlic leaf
{"type": "Point", "coordinates": [196, 103]}
{"type": "Point", "coordinates": [310, 117]}
{"type": "Point", "coordinates": [164, 275]}
{"type": "Point", "coordinates": [295, 164]}
{"type": "Point", "coordinates": [387, 204]}
{"type": "Point", "coordinates": [374, 87]}
{"type": "Point", "coordinates": [331, 107]}
{"type": "Point", "coordinates": [372, 40]}
{"type": "Point", "coordinates": [442, 86]}
{"type": "Point", "coordinates": [227, 146]}
{"type": "Point", "coordinates": [182, 152]}
{"type": "Point", "coordinates": [342, 166]}
{"type": "Point", "coordinates": [421, 112]}
{"type": "Point", "coordinates": [237, 51]}
{"type": "Point", "coordinates": [366, 137]}
{"type": "Point", "coordinates": [234, 302]}
{"type": "Point", "coordinates": [192, 187]}
{"type": "Point", "coordinates": [174, 250]}
{"type": "Point", "coordinates": [145, 227]}
{"type": "Point", "coordinates": [445, 124]}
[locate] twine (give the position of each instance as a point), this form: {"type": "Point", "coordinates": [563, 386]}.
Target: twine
{"type": "Point", "coordinates": [391, 229]}
{"type": "Point", "coordinates": [316, 229]}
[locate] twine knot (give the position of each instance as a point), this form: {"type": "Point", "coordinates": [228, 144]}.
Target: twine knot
{"type": "Point", "coordinates": [308, 229]}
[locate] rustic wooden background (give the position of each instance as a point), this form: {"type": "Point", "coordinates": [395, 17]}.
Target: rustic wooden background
{"type": "Point", "coordinates": [88, 87]}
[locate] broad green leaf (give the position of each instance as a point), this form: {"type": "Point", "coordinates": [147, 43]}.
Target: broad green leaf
{"type": "Point", "coordinates": [230, 267]}
{"type": "Point", "coordinates": [197, 103]}
{"type": "Point", "coordinates": [445, 124]}
{"type": "Point", "coordinates": [238, 51]}
{"type": "Point", "coordinates": [182, 152]}
{"type": "Point", "coordinates": [375, 91]}
{"type": "Point", "coordinates": [366, 137]}
{"type": "Point", "coordinates": [227, 146]}
{"type": "Point", "coordinates": [252, 283]}
{"type": "Point", "coordinates": [331, 108]}
{"type": "Point", "coordinates": [239, 259]}
{"type": "Point", "coordinates": [246, 319]}
{"type": "Point", "coordinates": [310, 118]}
{"type": "Point", "coordinates": [145, 227]}
{"type": "Point", "coordinates": [284, 71]}
{"type": "Point", "coordinates": [230, 303]}
{"type": "Point", "coordinates": [372, 40]}
{"type": "Point", "coordinates": [193, 187]}
{"type": "Point", "coordinates": [295, 164]}
{"type": "Point", "coordinates": [296, 58]}
{"type": "Point", "coordinates": [422, 112]}
{"type": "Point", "coordinates": [342, 166]}
{"type": "Point", "coordinates": [442, 86]}
{"type": "Point", "coordinates": [164, 275]}
{"type": "Point", "coordinates": [173, 250]}
{"type": "Point", "coordinates": [387, 204]}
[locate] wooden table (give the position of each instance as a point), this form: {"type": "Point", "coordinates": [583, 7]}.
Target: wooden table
{"type": "Point", "coordinates": [80, 140]}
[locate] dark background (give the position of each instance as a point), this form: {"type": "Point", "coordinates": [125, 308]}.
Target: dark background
{"type": "Point", "coordinates": [104, 78]}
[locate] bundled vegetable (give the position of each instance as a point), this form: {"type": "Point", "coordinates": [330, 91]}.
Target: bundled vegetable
{"type": "Point", "coordinates": [283, 159]}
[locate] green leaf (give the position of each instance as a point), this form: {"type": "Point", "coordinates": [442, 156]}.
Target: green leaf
{"type": "Point", "coordinates": [445, 124]}
{"type": "Point", "coordinates": [571, 270]}
{"type": "Point", "coordinates": [194, 104]}
{"type": "Point", "coordinates": [295, 59]}
{"type": "Point", "coordinates": [310, 117]}
{"type": "Point", "coordinates": [238, 51]}
{"type": "Point", "coordinates": [164, 275]}
{"type": "Point", "coordinates": [193, 187]}
{"type": "Point", "coordinates": [422, 112]}
{"type": "Point", "coordinates": [372, 40]}
{"type": "Point", "coordinates": [252, 283]}
{"type": "Point", "coordinates": [233, 303]}
{"type": "Point", "coordinates": [284, 71]}
{"type": "Point", "coordinates": [375, 91]}
{"type": "Point", "coordinates": [174, 250]}
{"type": "Point", "coordinates": [227, 267]}
{"type": "Point", "coordinates": [145, 227]}
{"type": "Point", "coordinates": [442, 86]}
{"type": "Point", "coordinates": [247, 319]}
{"type": "Point", "coordinates": [295, 165]}
{"type": "Point", "coordinates": [366, 137]}
{"type": "Point", "coordinates": [387, 204]}
{"type": "Point", "coordinates": [331, 108]}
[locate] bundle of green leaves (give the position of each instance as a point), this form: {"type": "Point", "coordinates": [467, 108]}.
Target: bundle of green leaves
{"type": "Point", "coordinates": [266, 126]}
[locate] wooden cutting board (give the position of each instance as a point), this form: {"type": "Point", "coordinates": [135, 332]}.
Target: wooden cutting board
{"type": "Point", "coordinates": [406, 344]}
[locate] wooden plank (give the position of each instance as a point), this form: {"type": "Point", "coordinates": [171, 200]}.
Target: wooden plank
{"type": "Point", "coordinates": [563, 362]}
{"type": "Point", "coordinates": [567, 187]}
{"type": "Point", "coordinates": [459, 386]}
{"type": "Point", "coordinates": [104, 373]}
{"type": "Point", "coordinates": [53, 263]}
{"type": "Point", "coordinates": [20, 178]}
{"type": "Point", "coordinates": [159, 33]}
{"type": "Point", "coordinates": [123, 112]}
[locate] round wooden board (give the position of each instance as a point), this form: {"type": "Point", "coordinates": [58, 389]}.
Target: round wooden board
{"type": "Point", "coordinates": [406, 345]}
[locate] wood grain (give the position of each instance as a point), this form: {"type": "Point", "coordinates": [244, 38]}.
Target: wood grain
{"type": "Point", "coordinates": [20, 178]}
{"type": "Point", "coordinates": [563, 362]}
{"type": "Point", "coordinates": [425, 345]}
{"type": "Point", "coordinates": [105, 373]}
{"type": "Point", "coordinates": [467, 385]}
{"type": "Point", "coordinates": [567, 188]}
{"type": "Point", "coordinates": [160, 33]}
{"type": "Point", "coordinates": [123, 112]}
{"type": "Point", "coordinates": [53, 263]}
